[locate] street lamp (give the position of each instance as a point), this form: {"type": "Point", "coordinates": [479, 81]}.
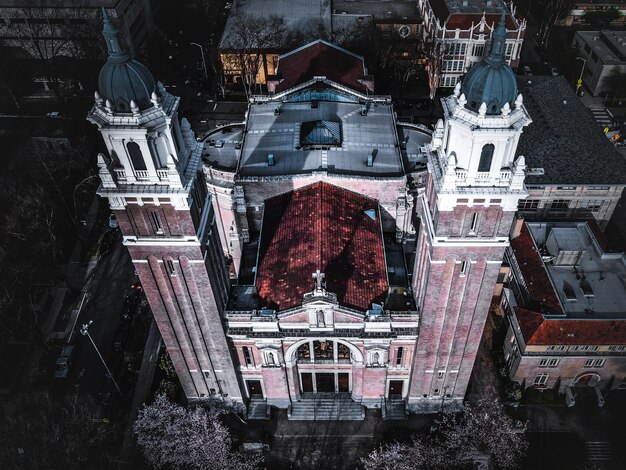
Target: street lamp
{"type": "Point", "coordinates": [206, 74]}
{"type": "Point", "coordinates": [85, 332]}
{"type": "Point", "coordinates": [579, 83]}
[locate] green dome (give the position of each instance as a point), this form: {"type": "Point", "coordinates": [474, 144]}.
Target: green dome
{"type": "Point", "coordinates": [492, 80]}
{"type": "Point", "coordinates": [122, 78]}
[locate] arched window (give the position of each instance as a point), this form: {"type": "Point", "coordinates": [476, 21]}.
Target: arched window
{"type": "Point", "coordinates": [323, 350]}
{"type": "Point", "coordinates": [320, 318]}
{"type": "Point", "coordinates": [270, 359]}
{"type": "Point", "coordinates": [343, 351]}
{"type": "Point", "coordinates": [484, 166]}
{"type": "Point", "coordinates": [136, 157]}
{"type": "Point", "coordinates": [376, 359]}
{"type": "Point", "coordinates": [161, 150]}
{"type": "Point", "coordinates": [304, 353]}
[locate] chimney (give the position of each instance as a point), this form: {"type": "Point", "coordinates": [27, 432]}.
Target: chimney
{"type": "Point", "coordinates": [270, 159]}
{"type": "Point", "coordinates": [370, 159]}
{"type": "Point", "coordinates": [516, 229]}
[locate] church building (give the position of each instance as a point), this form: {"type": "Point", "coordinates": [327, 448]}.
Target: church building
{"type": "Point", "coordinates": [320, 257]}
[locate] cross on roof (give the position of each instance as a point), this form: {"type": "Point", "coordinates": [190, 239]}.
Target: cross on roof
{"type": "Point", "coordinates": [319, 280]}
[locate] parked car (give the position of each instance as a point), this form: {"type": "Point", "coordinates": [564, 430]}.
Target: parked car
{"type": "Point", "coordinates": [527, 70]}
{"type": "Point", "coordinates": [64, 362]}
{"type": "Point", "coordinates": [554, 71]}
{"type": "Point", "coordinates": [54, 114]}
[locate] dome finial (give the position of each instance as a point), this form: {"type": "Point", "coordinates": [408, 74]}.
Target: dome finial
{"type": "Point", "coordinates": [110, 32]}
{"type": "Point", "coordinates": [498, 41]}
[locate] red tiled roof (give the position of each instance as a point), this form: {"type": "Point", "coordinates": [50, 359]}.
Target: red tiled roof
{"type": "Point", "coordinates": [542, 295]}
{"type": "Point", "coordinates": [321, 227]}
{"type": "Point", "coordinates": [321, 58]}
{"type": "Point", "coordinates": [538, 330]}
{"type": "Point", "coordinates": [465, 20]}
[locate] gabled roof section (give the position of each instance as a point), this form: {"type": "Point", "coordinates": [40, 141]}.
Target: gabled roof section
{"type": "Point", "coordinates": [327, 228]}
{"type": "Point", "coordinates": [321, 58]}
{"type": "Point", "coordinates": [536, 330]}
{"type": "Point", "coordinates": [540, 290]}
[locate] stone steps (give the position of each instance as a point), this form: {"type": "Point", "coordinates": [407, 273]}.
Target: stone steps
{"type": "Point", "coordinates": [326, 409]}
{"type": "Point", "coordinates": [395, 411]}
{"type": "Point", "coordinates": [258, 409]}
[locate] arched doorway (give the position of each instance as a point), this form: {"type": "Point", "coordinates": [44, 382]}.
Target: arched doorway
{"type": "Point", "coordinates": [589, 379]}
{"type": "Point", "coordinates": [324, 365]}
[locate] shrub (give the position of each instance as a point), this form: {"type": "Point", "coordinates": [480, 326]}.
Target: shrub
{"type": "Point", "coordinates": [513, 391]}
{"type": "Point", "coordinates": [533, 394]}
{"type": "Point", "coordinates": [547, 395]}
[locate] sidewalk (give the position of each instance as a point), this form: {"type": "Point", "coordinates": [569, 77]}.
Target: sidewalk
{"type": "Point", "coordinates": [149, 363]}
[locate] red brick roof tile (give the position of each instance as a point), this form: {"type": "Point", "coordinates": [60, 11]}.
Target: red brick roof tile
{"type": "Point", "coordinates": [538, 330]}
{"type": "Point", "coordinates": [542, 295]}
{"type": "Point", "coordinates": [321, 227]}
{"type": "Point", "coordinates": [321, 58]}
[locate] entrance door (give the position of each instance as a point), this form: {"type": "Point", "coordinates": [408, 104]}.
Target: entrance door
{"type": "Point", "coordinates": [306, 381]}
{"type": "Point", "coordinates": [395, 388]}
{"type": "Point", "coordinates": [325, 383]}
{"type": "Point", "coordinates": [344, 383]}
{"type": "Point", "coordinates": [254, 388]}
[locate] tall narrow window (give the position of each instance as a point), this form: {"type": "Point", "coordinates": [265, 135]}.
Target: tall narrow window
{"type": "Point", "coordinates": [136, 158]}
{"type": "Point", "coordinates": [246, 355]}
{"type": "Point", "coordinates": [474, 222]}
{"type": "Point", "coordinates": [484, 165]}
{"type": "Point", "coordinates": [156, 223]}
{"type": "Point", "coordinates": [399, 355]}
{"type": "Point", "coordinates": [464, 268]}
{"type": "Point", "coordinates": [171, 267]}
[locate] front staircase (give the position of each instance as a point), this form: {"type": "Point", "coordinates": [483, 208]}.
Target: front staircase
{"type": "Point", "coordinates": [258, 409]}
{"type": "Point", "coordinates": [394, 409]}
{"type": "Point", "coordinates": [326, 407]}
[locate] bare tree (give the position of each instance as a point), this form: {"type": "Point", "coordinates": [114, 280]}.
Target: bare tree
{"type": "Point", "coordinates": [172, 436]}
{"type": "Point", "coordinates": [52, 34]}
{"type": "Point", "coordinates": [614, 84]}
{"type": "Point", "coordinates": [250, 40]}
{"type": "Point", "coordinates": [552, 11]}
{"type": "Point", "coordinates": [482, 429]}
{"type": "Point", "coordinates": [433, 51]}
{"type": "Point", "coordinates": [39, 431]}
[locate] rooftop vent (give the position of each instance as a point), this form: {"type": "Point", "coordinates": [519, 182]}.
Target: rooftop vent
{"type": "Point", "coordinates": [568, 290]}
{"type": "Point", "coordinates": [586, 288]}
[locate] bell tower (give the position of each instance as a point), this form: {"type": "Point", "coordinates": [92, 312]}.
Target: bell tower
{"type": "Point", "coordinates": [467, 209]}
{"type": "Point", "coordinates": [153, 180]}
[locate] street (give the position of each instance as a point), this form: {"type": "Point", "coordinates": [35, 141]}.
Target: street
{"type": "Point", "coordinates": [111, 280]}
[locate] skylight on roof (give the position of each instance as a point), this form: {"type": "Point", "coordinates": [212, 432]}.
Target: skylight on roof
{"type": "Point", "coordinates": [320, 133]}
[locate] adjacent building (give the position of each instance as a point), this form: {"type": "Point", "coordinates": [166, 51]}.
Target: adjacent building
{"type": "Point", "coordinates": [247, 44]}
{"type": "Point", "coordinates": [584, 11]}
{"type": "Point", "coordinates": [573, 169]}
{"type": "Point", "coordinates": [465, 28]}
{"type": "Point", "coordinates": [565, 303]}
{"type": "Point", "coordinates": [604, 54]}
